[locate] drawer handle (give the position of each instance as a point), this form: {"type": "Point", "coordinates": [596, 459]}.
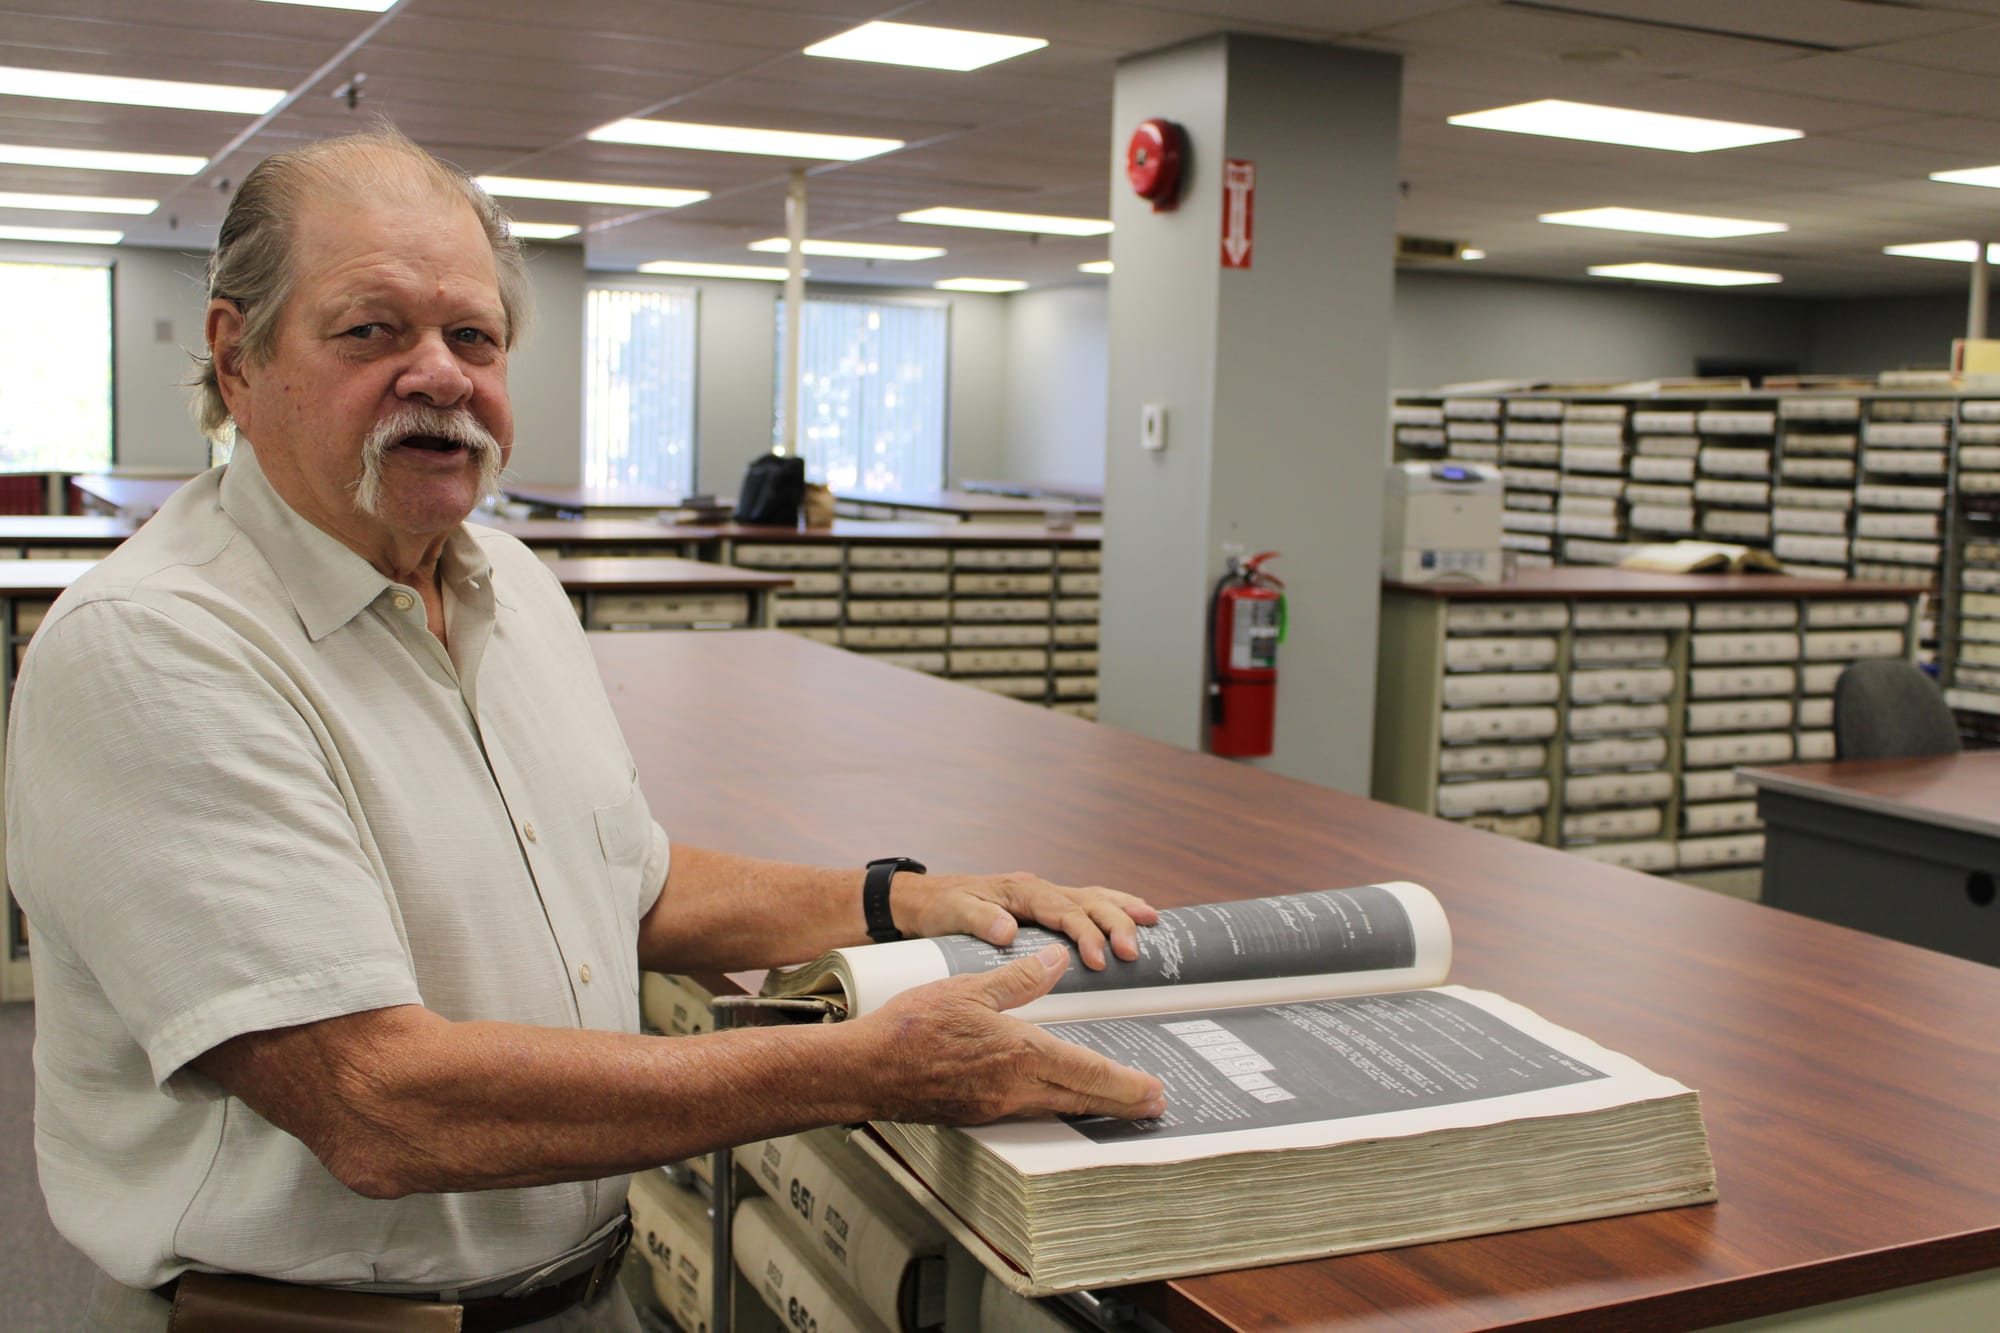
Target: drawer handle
{"type": "Point", "coordinates": [1979, 888]}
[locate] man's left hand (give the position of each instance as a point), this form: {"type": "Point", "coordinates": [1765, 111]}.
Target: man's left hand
{"type": "Point", "coordinates": [992, 906]}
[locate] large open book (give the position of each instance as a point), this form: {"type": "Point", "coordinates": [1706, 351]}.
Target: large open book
{"type": "Point", "coordinates": [1326, 1093]}
{"type": "Point", "coordinates": [1692, 557]}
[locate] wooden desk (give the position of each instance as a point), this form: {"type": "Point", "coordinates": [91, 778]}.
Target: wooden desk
{"type": "Point", "coordinates": [1904, 848]}
{"type": "Point", "coordinates": [593, 501]}
{"type": "Point", "coordinates": [593, 536]}
{"type": "Point", "coordinates": [1849, 1082]}
{"type": "Point", "coordinates": [962, 507]}
{"type": "Point", "coordinates": [667, 593]}
{"type": "Point", "coordinates": [135, 498]}
{"type": "Point", "coordinates": [61, 537]}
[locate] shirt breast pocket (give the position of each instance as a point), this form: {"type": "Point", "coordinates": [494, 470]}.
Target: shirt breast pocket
{"type": "Point", "coordinates": [625, 835]}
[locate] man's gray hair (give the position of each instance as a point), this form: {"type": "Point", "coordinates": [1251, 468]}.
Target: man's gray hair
{"type": "Point", "coordinates": [253, 265]}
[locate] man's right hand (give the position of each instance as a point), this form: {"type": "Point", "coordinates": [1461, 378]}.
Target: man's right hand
{"type": "Point", "coordinates": [948, 1054]}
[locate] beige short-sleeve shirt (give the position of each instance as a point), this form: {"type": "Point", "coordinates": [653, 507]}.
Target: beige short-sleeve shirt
{"type": "Point", "coordinates": [247, 788]}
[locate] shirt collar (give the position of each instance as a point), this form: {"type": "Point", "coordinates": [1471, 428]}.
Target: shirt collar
{"type": "Point", "coordinates": [328, 583]}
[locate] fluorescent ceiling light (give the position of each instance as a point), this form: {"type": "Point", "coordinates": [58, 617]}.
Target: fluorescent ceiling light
{"type": "Point", "coordinates": [137, 92]}
{"type": "Point", "coordinates": [779, 245]}
{"type": "Point", "coordinates": [587, 192]}
{"type": "Point", "coordinates": [734, 139]}
{"type": "Point", "coordinates": [93, 159]}
{"type": "Point", "coordinates": [369, 6]}
{"type": "Point", "coordinates": [533, 231]}
{"type": "Point", "coordinates": [1962, 252]}
{"type": "Point", "coordinates": [1611, 124]}
{"type": "Point", "coordinates": [67, 235]}
{"type": "Point", "coordinates": [1039, 223]}
{"type": "Point", "coordinates": [1699, 277]}
{"type": "Point", "coordinates": [1095, 266]}
{"type": "Point", "coordinates": [979, 285]}
{"type": "Point", "coordinates": [689, 269]}
{"type": "Point", "coordinates": [1471, 253]}
{"type": "Point", "coordinates": [932, 48]}
{"type": "Point", "coordinates": [1987, 176]}
{"type": "Point", "coordinates": [1662, 224]}
{"type": "Point", "coordinates": [77, 203]}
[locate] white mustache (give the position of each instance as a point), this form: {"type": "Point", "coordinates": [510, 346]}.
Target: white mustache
{"type": "Point", "coordinates": [456, 425]}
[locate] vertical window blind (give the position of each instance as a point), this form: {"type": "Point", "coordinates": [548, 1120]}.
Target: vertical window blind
{"type": "Point", "coordinates": [55, 415]}
{"type": "Point", "coordinates": [873, 382]}
{"type": "Point", "coordinates": [639, 388]}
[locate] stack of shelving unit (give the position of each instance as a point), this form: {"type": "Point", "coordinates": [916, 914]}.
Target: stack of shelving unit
{"type": "Point", "coordinates": [1973, 683]}
{"type": "Point", "coordinates": [1501, 687]}
{"type": "Point", "coordinates": [1590, 501]}
{"type": "Point", "coordinates": [1418, 430]}
{"type": "Point", "coordinates": [810, 608]}
{"type": "Point", "coordinates": [1661, 492]}
{"type": "Point", "coordinates": [1531, 468]}
{"type": "Point", "coordinates": [1900, 498]}
{"type": "Point", "coordinates": [1618, 785]}
{"type": "Point", "coordinates": [1732, 487]}
{"type": "Point", "coordinates": [1813, 500]}
{"type": "Point", "coordinates": [1472, 429]}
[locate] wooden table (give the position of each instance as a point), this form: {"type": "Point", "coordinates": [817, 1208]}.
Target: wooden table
{"type": "Point", "coordinates": [664, 592]}
{"type": "Point", "coordinates": [135, 498]}
{"type": "Point", "coordinates": [593, 501]}
{"type": "Point", "coordinates": [962, 507]}
{"type": "Point", "coordinates": [31, 535]}
{"type": "Point", "coordinates": [1905, 848]}
{"type": "Point", "coordinates": [1850, 1083]}
{"type": "Point", "coordinates": [592, 536]}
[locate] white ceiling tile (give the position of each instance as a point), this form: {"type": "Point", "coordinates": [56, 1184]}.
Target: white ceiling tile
{"type": "Point", "coordinates": [1831, 23]}
{"type": "Point", "coordinates": [1884, 83]}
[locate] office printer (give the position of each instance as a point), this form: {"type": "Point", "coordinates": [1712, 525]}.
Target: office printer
{"type": "Point", "coordinates": [1442, 523]}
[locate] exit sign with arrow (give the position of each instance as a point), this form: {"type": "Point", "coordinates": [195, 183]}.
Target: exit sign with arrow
{"type": "Point", "coordinates": [1239, 191]}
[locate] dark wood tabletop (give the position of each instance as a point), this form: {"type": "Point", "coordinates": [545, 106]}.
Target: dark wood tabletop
{"type": "Point", "coordinates": [1849, 1082]}
{"type": "Point", "coordinates": [588, 531]}
{"type": "Point", "coordinates": [661, 574]}
{"type": "Point", "coordinates": [585, 498]}
{"type": "Point", "coordinates": [906, 533]}
{"type": "Point", "coordinates": [40, 578]}
{"type": "Point", "coordinates": [64, 529]}
{"type": "Point", "coordinates": [1959, 791]}
{"type": "Point", "coordinates": [1639, 584]}
{"type": "Point", "coordinates": [971, 504]}
{"type": "Point", "coordinates": [139, 496]}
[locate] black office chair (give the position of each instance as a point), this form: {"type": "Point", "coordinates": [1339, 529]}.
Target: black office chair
{"type": "Point", "coordinates": [1889, 709]}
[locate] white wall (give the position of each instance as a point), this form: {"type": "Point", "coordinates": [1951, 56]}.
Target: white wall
{"type": "Point", "coordinates": [1885, 333]}
{"type": "Point", "coordinates": [1057, 354]}
{"type": "Point", "coordinates": [1458, 326]}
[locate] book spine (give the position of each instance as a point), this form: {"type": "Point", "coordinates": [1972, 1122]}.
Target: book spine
{"type": "Point", "coordinates": [791, 1282]}
{"type": "Point", "coordinates": [670, 1230]}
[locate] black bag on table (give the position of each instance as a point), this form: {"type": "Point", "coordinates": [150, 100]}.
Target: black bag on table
{"type": "Point", "coordinates": [773, 488]}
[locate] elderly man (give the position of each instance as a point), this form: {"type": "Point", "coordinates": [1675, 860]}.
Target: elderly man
{"type": "Point", "coordinates": [338, 869]}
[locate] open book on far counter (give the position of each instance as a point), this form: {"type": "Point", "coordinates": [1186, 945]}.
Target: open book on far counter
{"type": "Point", "coordinates": [1325, 1093]}
{"type": "Point", "coordinates": [1701, 558]}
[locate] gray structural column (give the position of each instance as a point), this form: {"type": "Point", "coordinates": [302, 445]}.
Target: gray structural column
{"type": "Point", "coordinates": [1275, 382]}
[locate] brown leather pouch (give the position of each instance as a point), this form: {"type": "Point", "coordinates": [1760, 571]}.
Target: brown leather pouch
{"type": "Point", "coordinates": [218, 1303]}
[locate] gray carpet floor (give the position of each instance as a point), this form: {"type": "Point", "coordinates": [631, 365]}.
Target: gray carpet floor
{"type": "Point", "coordinates": [43, 1278]}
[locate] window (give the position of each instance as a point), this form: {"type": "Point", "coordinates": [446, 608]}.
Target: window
{"type": "Point", "coordinates": [638, 393]}
{"type": "Point", "coordinates": [55, 415]}
{"type": "Point", "coordinates": [872, 386]}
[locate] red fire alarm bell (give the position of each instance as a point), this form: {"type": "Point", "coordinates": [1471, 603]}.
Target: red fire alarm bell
{"type": "Point", "coordinates": [1153, 162]}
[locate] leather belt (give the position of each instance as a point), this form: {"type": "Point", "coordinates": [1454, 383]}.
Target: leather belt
{"type": "Point", "coordinates": [515, 1307]}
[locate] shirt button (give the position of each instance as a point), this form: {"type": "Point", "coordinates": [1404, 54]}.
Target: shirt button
{"type": "Point", "coordinates": [528, 831]}
{"type": "Point", "coordinates": [404, 601]}
{"type": "Point", "coordinates": [583, 974]}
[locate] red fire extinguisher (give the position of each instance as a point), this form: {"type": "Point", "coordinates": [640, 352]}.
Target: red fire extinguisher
{"type": "Point", "coordinates": [1246, 624]}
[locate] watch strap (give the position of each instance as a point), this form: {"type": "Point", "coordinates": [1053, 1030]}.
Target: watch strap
{"type": "Point", "coordinates": [875, 896]}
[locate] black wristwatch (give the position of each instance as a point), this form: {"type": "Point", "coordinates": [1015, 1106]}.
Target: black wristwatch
{"type": "Point", "coordinates": [875, 896]}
